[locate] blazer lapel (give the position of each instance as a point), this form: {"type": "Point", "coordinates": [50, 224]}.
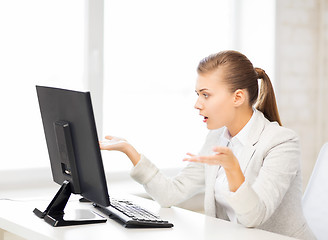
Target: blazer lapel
{"type": "Point", "coordinates": [247, 155]}
{"type": "Point", "coordinates": [254, 135]}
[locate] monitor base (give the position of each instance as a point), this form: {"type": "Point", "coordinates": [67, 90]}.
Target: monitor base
{"type": "Point", "coordinates": [54, 214]}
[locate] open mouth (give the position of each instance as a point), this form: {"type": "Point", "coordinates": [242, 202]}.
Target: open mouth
{"type": "Point", "coordinates": [205, 119]}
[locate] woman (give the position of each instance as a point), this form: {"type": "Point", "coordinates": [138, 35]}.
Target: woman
{"type": "Point", "coordinates": [249, 164]}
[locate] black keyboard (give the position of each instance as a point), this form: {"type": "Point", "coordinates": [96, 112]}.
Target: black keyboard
{"type": "Point", "coordinates": [132, 215]}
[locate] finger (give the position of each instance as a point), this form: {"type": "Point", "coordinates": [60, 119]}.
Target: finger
{"type": "Point", "coordinates": [190, 154]}
{"type": "Point", "coordinates": [220, 149]}
{"type": "Point", "coordinates": [198, 158]}
{"type": "Point", "coordinates": [187, 158]}
{"type": "Point", "coordinates": [192, 159]}
{"type": "Point", "coordinates": [210, 158]}
{"type": "Point", "coordinates": [109, 137]}
{"type": "Point", "coordinates": [202, 160]}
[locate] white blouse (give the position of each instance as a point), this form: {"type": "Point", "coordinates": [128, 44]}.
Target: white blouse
{"type": "Point", "coordinates": [236, 144]}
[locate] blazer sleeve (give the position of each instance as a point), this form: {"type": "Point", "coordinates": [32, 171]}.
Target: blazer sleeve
{"type": "Point", "coordinates": [165, 190]}
{"type": "Point", "coordinates": [255, 203]}
{"type": "Point", "coordinates": [172, 191]}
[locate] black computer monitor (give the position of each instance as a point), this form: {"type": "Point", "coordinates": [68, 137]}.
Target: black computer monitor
{"type": "Point", "coordinates": [74, 152]}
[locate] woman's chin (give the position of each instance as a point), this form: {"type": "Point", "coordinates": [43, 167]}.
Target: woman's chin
{"type": "Point", "coordinates": [213, 126]}
{"type": "Point", "coordinates": [209, 127]}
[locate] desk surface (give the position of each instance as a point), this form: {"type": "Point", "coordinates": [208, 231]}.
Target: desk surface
{"type": "Point", "coordinates": [17, 217]}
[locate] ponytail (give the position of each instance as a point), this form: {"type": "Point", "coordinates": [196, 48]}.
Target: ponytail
{"type": "Point", "coordinates": [266, 102]}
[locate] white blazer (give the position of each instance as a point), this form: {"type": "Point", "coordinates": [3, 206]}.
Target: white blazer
{"type": "Point", "coordinates": [270, 197]}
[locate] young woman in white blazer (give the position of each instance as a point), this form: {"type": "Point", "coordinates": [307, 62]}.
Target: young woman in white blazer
{"type": "Point", "coordinates": [249, 165]}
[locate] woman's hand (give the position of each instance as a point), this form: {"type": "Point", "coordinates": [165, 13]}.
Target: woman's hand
{"type": "Point", "coordinates": [225, 158]}
{"type": "Point", "coordinates": [120, 144]}
{"type": "Point", "coordinates": [113, 143]}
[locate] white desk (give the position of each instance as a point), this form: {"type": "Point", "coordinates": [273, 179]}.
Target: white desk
{"type": "Point", "coordinates": [17, 221]}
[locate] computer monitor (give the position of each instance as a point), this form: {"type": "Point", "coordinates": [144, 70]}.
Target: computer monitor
{"type": "Point", "coordinates": [74, 152]}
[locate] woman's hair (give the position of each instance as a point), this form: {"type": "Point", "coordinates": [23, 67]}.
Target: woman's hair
{"type": "Point", "coordinates": [239, 73]}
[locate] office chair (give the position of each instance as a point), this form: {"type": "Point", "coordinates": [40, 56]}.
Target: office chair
{"type": "Point", "coordinates": [315, 198]}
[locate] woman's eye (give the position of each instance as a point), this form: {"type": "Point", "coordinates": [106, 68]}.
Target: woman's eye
{"type": "Point", "coordinates": [205, 95]}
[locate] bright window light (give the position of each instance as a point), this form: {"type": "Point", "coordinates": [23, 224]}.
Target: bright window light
{"type": "Point", "coordinates": [41, 43]}
{"type": "Point", "coordinates": [152, 49]}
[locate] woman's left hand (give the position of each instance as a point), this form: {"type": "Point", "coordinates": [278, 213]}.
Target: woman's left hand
{"type": "Point", "coordinates": [223, 156]}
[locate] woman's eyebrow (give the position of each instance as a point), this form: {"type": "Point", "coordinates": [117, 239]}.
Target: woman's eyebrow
{"type": "Point", "coordinates": [203, 89]}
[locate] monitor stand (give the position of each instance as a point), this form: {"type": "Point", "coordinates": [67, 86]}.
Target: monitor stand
{"type": "Point", "coordinates": [54, 214]}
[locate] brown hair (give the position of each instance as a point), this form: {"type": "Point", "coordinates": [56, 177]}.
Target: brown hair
{"type": "Point", "coordinates": [240, 74]}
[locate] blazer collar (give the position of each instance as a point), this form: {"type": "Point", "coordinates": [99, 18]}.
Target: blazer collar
{"type": "Point", "coordinates": [256, 128]}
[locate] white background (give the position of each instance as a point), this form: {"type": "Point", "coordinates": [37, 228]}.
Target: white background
{"type": "Point", "coordinates": [152, 49]}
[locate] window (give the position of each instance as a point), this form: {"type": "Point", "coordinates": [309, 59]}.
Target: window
{"type": "Point", "coordinates": [256, 38]}
{"type": "Point", "coordinates": [41, 43]}
{"type": "Point", "coordinates": [151, 52]}
{"type": "Point", "coordinates": [152, 49]}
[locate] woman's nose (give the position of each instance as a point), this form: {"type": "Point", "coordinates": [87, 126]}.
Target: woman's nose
{"type": "Point", "coordinates": [198, 105]}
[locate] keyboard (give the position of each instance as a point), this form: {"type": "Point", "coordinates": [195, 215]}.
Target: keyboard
{"type": "Point", "coordinates": [132, 215]}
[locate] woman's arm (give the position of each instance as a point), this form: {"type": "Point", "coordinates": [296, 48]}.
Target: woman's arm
{"type": "Point", "coordinates": [165, 190]}
{"type": "Point", "coordinates": [120, 144]}
{"type": "Point", "coordinates": [255, 202]}
{"type": "Point", "coordinates": [279, 155]}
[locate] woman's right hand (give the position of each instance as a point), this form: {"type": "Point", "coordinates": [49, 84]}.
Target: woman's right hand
{"type": "Point", "coordinates": [120, 144]}
{"type": "Point", "coordinates": [113, 143]}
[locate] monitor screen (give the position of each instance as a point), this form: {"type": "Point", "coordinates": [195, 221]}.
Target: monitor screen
{"type": "Point", "coordinates": [72, 142]}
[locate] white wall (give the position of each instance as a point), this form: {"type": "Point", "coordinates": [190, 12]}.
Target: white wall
{"type": "Point", "coordinates": [301, 74]}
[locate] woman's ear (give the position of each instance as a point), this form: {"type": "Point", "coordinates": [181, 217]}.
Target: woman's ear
{"type": "Point", "coordinates": [239, 97]}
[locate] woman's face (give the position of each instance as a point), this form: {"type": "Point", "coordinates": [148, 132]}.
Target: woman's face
{"type": "Point", "coordinates": [215, 102]}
